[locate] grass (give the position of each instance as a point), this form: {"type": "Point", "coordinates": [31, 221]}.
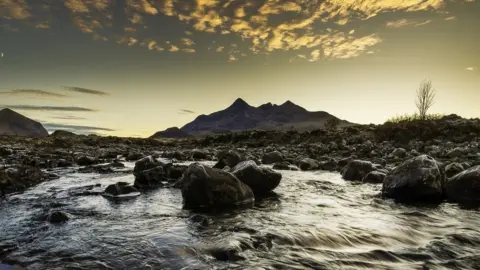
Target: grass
{"type": "Point", "coordinates": [413, 117]}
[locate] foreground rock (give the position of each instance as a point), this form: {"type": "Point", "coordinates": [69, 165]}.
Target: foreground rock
{"type": "Point", "coordinates": [120, 188]}
{"type": "Point", "coordinates": [260, 180]}
{"type": "Point", "coordinates": [205, 187]}
{"type": "Point", "coordinates": [230, 159]}
{"type": "Point", "coordinates": [20, 178]}
{"type": "Point", "coordinates": [464, 187]}
{"type": "Point", "coordinates": [417, 180]}
{"type": "Point", "coordinates": [148, 173]}
{"type": "Point", "coordinates": [272, 157]}
{"type": "Point", "coordinates": [356, 170]}
{"type": "Point", "coordinates": [375, 177]}
{"type": "Point", "coordinates": [58, 217]}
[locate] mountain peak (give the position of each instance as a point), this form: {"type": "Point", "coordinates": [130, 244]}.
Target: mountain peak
{"type": "Point", "coordinates": [239, 104]}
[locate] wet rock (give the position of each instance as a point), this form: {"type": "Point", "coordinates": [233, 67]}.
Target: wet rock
{"type": "Point", "coordinates": [86, 161]}
{"type": "Point", "coordinates": [260, 180]}
{"type": "Point", "coordinates": [199, 154]}
{"type": "Point", "coordinates": [457, 152]}
{"type": "Point", "coordinates": [272, 157]}
{"type": "Point", "coordinates": [399, 153]}
{"type": "Point", "coordinates": [308, 164]}
{"type": "Point", "coordinates": [134, 156]}
{"type": "Point", "coordinates": [230, 158]}
{"type": "Point", "coordinates": [120, 188]}
{"type": "Point", "coordinates": [203, 186]}
{"type": "Point", "coordinates": [201, 220]}
{"type": "Point", "coordinates": [175, 155]}
{"type": "Point", "coordinates": [150, 178]}
{"type": "Point", "coordinates": [58, 217]}
{"type": "Point", "coordinates": [174, 172]}
{"type": "Point", "coordinates": [329, 165]}
{"type": "Point", "coordinates": [284, 166]}
{"type": "Point", "coordinates": [146, 163]}
{"type": "Point", "coordinates": [419, 179]}
{"type": "Point", "coordinates": [19, 178]}
{"type": "Point", "coordinates": [453, 169]}
{"type": "Point", "coordinates": [357, 169]}
{"type": "Point", "coordinates": [374, 177]}
{"type": "Point", "coordinates": [228, 253]}
{"type": "Point", "coordinates": [464, 187]}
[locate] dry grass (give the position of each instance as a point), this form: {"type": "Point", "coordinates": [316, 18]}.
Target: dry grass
{"type": "Point", "coordinates": [413, 117]}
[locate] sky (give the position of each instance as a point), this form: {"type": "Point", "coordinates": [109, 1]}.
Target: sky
{"type": "Point", "coordinates": [134, 67]}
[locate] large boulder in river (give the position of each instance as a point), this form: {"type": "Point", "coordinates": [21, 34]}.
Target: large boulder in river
{"type": "Point", "coordinates": [272, 157]}
{"type": "Point", "coordinates": [261, 180]}
{"type": "Point", "coordinates": [58, 217]}
{"type": "Point", "coordinates": [419, 179]}
{"type": "Point", "coordinates": [204, 187]}
{"type": "Point", "coordinates": [230, 158]}
{"type": "Point", "coordinates": [464, 187]}
{"type": "Point", "coordinates": [146, 163]}
{"type": "Point", "coordinates": [150, 178]}
{"type": "Point", "coordinates": [357, 169]}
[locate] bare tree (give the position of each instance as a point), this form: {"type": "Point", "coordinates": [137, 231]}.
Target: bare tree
{"type": "Point", "coordinates": [425, 98]}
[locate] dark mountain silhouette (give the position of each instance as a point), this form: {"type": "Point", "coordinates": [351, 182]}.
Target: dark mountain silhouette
{"type": "Point", "coordinates": [13, 123]}
{"type": "Point", "coordinates": [173, 132]}
{"type": "Point", "coordinates": [241, 116]}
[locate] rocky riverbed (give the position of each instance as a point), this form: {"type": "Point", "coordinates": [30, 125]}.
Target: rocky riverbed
{"type": "Point", "coordinates": [394, 196]}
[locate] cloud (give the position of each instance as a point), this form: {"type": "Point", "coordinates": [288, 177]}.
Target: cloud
{"type": "Point", "coordinates": [86, 91]}
{"type": "Point", "coordinates": [69, 117]}
{"type": "Point", "coordinates": [451, 18]}
{"type": "Point", "coordinates": [311, 28]}
{"type": "Point", "coordinates": [48, 108]}
{"type": "Point", "coordinates": [35, 92]}
{"type": "Point", "coordinates": [405, 23]}
{"type": "Point", "coordinates": [53, 126]}
{"type": "Point", "coordinates": [470, 68]}
{"type": "Point", "coordinates": [185, 111]}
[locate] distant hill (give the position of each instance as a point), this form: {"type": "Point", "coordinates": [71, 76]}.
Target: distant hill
{"type": "Point", "coordinates": [173, 132]}
{"type": "Point", "coordinates": [13, 123]}
{"type": "Point", "coordinates": [241, 116]}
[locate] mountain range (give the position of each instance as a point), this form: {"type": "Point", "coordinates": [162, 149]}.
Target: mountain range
{"type": "Point", "coordinates": [15, 124]}
{"type": "Point", "coordinates": [241, 116]}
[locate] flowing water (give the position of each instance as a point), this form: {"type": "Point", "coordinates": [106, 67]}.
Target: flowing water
{"type": "Point", "coordinates": [317, 221]}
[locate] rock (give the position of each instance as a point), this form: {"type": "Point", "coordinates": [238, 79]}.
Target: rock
{"type": "Point", "coordinates": [374, 177]}
{"type": "Point", "coordinates": [419, 179]}
{"type": "Point", "coordinates": [134, 156]}
{"type": "Point", "coordinates": [86, 161]}
{"type": "Point", "coordinates": [120, 188]}
{"type": "Point", "coordinates": [308, 164]}
{"type": "Point", "coordinates": [260, 180]}
{"type": "Point", "coordinates": [457, 152]}
{"type": "Point", "coordinates": [399, 153]}
{"type": "Point", "coordinates": [22, 177]}
{"type": "Point", "coordinates": [329, 165]}
{"type": "Point", "coordinates": [146, 163]}
{"type": "Point", "coordinates": [464, 187]}
{"type": "Point", "coordinates": [174, 172]}
{"type": "Point", "coordinates": [58, 217]}
{"type": "Point", "coordinates": [285, 166]}
{"type": "Point", "coordinates": [357, 169]}
{"type": "Point", "coordinates": [230, 159]}
{"type": "Point", "coordinates": [150, 178]}
{"type": "Point", "coordinates": [272, 157]}
{"type": "Point", "coordinates": [198, 154]}
{"type": "Point", "coordinates": [453, 169]}
{"type": "Point", "coordinates": [203, 186]}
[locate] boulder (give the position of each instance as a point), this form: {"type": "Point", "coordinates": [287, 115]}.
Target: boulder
{"type": "Point", "coordinates": [453, 169]}
{"type": "Point", "coordinates": [150, 178]}
{"type": "Point", "coordinates": [174, 172]}
{"type": "Point", "coordinates": [230, 159]}
{"type": "Point", "coordinates": [357, 169]}
{"type": "Point", "coordinates": [58, 217]}
{"type": "Point", "coordinates": [260, 180]}
{"type": "Point", "coordinates": [272, 157]}
{"type": "Point", "coordinates": [419, 179]}
{"type": "Point", "coordinates": [285, 166]}
{"type": "Point", "coordinates": [399, 153]}
{"type": "Point", "coordinates": [146, 163]}
{"type": "Point", "coordinates": [134, 156]}
{"type": "Point", "coordinates": [374, 177]}
{"type": "Point", "coordinates": [199, 154]}
{"type": "Point", "coordinates": [329, 165]}
{"type": "Point", "coordinates": [308, 164]}
{"type": "Point", "coordinates": [120, 188]}
{"type": "Point", "coordinates": [205, 187]}
{"type": "Point", "coordinates": [464, 187]}
{"type": "Point", "coordinates": [86, 161]}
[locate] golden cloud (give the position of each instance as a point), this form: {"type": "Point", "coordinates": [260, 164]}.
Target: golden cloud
{"type": "Point", "coordinates": [265, 26]}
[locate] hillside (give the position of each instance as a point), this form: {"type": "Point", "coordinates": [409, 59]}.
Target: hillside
{"type": "Point", "coordinates": [15, 124]}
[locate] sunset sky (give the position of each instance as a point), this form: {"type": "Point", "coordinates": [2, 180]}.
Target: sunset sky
{"type": "Point", "coordinates": [134, 67]}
